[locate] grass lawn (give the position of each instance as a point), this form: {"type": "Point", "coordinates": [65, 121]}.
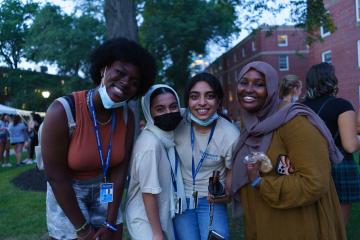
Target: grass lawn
{"type": "Point", "coordinates": [22, 213]}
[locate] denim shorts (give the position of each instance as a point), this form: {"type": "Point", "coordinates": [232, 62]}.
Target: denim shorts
{"type": "Point", "coordinates": [88, 197]}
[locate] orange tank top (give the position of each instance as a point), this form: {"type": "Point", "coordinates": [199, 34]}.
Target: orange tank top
{"type": "Point", "coordinates": [83, 156]}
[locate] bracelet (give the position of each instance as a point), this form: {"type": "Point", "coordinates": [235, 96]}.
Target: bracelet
{"type": "Point", "coordinates": [110, 227]}
{"type": "Point", "coordinates": [256, 182]}
{"type": "Point", "coordinates": [82, 227]}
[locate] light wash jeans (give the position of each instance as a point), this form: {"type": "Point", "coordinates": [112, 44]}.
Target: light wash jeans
{"type": "Point", "coordinates": [193, 224]}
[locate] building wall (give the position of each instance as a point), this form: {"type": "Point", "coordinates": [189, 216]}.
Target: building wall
{"type": "Point", "coordinates": [265, 48]}
{"type": "Point", "coordinates": [343, 45]}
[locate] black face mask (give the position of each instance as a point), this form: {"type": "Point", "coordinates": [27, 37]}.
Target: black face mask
{"type": "Point", "coordinates": [168, 121]}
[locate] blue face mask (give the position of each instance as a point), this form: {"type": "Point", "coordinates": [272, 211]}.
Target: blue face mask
{"type": "Point", "coordinates": [206, 122]}
{"type": "Point", "coordinates": [106, 100]}
{"type": "Point", "coordinates": [294, 99]}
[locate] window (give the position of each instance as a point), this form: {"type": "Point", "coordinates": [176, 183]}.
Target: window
{"type": "Point", "coordinates": [243, 52]}
{"type": "Point", "coordinates": [235, 57]}
{"type": "Point", "coordinates": [324, 32]}
{"type": "Point", "coordinates": [283, 63]}
{"type": "Point", "coordinates": [358, 48]}
{"type": "Point", "coordinates": [326, 56]}
{"type": "Point", "coordinates": [253, 47]}
{"type": "Point", "coordinates": [357, 3]}
{"type": "Point", "coordinates": [282, 40]}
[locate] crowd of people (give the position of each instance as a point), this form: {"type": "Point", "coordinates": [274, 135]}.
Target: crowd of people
{"type": "Point", "coordinates": [287, 167]}
{"type": "Point", "coordinates": [17, 132]}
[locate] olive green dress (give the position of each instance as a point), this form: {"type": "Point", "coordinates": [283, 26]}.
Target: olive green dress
{"type": "Point", "coordinates": [303, 205]}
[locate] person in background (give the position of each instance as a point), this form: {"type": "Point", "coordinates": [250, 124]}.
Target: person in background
{"type": "Point", "coordinates": [156, 182]}
{"type": "Point", "coordinates": [290, 88]}
{"type": "Point", "coordinates": [297, 198]}
{"type": "Point", "coordinates": [205, 142]}
{"type": "Point", "coordinates": [4, 141]}
{"type": "Point", "coordinates": [340, 117]}
{"type": "Point", "coordinates": [86, 171]}
{"type": "Point", "coordinates": [33, 128]}
{"type": "Point", "coordinates": [358, 121]}
{"type": "Point", "coordinates": [18, 136]}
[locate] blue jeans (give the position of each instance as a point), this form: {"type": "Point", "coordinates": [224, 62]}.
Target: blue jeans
{"type": "Point", "coordinates": [193, 224]}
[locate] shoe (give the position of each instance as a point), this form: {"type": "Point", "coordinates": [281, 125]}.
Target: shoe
{"type": "Point", "coordinates": [8, 165]}
{"type": "Point", "coordinates": [26, 161]}
{"type": "Point", "coordinates": [3, 165]}
{"type": "Point", "coordinates": [29, 161]}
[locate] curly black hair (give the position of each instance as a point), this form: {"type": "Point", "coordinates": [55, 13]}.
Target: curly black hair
{"type": "Point", "coordinates": [123, 49]}
{"type": "Point", "coordinates": [321, 80]}
{"type": "Point", "coordinates": [209, 79]}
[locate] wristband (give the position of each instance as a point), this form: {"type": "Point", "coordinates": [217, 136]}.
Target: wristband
{"type": "Point", "coordinates": [256, 182]}
{"type": "Point", "coordinates": [110, 227]}
{"type": "Point", "coordinates": [82, 227]}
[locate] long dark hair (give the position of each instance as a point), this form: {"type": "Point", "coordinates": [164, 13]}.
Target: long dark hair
{"type": "Point", "coordinates": [209, 79]}
{"type": "Point", "coordinates": [320, 81]}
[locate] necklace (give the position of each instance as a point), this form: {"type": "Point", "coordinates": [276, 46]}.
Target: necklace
{"type": "Point", "coordinates": [88, 106]}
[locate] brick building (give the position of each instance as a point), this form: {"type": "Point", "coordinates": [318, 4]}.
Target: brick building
{"type": "Point", "coordinates": [342, 47]}
{"type": "Point", "coordinates": [285, 49]}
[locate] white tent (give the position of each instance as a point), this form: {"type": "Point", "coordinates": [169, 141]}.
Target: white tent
{"type": "Point", "coordinates": [11, 110]}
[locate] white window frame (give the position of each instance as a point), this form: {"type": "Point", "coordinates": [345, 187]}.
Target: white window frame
{"type": "Point", "coordinates": [253, 47]}
{"type": "Point", "coordinates": [283, 44]}
{"type": "Point", "coordinates": [324, 34]}
{"type": "Point", "coordinates": [287, 63]}
{"type": "Point", "coordinates": [323, 56]}
{"type": "Point", "coordinates": [357, 10]}
{"type": "Point", "coordinates": [358, 51]}
{"type": "Point", "coordinates": [243, 52]}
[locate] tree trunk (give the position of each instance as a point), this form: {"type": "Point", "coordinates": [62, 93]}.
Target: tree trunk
{"type": "Point", "coordinates": [120, 17]}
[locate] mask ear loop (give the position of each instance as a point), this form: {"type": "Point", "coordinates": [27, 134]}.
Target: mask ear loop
{"type": "Point", "coordinates": [103, 76]}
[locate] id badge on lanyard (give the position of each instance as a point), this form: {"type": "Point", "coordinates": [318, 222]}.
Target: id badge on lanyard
{"type": "Point", "coordinates": [194, 198]}
{"type": "Point", "coordinates": [106, 192]}
{"type": "Point", "coordinates": [106, 188]}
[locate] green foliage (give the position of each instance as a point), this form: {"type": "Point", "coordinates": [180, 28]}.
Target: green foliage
{"type": "Point", "coordinates": [23, 89]}
{"type": "Point", "coordinates": [66, 40]}
{"type": "Point", "coordinates": [311, 15]}
{"type": "Point", "coordinates": [175, 30]}
{"type": "Point", "coordinates": [15, 18]}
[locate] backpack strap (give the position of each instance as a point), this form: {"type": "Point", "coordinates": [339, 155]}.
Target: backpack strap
{"type": "Point", "coordinates": [71, 123]}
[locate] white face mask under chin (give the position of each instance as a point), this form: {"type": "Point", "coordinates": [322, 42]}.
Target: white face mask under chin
{"type": "Point", "coordinates": [107, 102]}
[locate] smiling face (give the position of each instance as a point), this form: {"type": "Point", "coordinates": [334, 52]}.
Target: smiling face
{"type": "Point", "coordinates": [202, 102]}
{"type": "Point", "coordinates": [163, 103]}
{"type": "Point", "coordinates": [251, 91]}
{"type": "Point", "coordinates": [122, 80]}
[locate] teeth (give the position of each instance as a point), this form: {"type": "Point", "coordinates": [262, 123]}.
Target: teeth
{"type": "Point", "coordinates": [202, 110]}
{"type": "Point", "coordinates": [249, 98]}
{"type": "Point", "coordinates": [118, 90]}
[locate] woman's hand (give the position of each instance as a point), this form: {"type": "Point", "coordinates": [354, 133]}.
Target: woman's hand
{"type": "Point", "coordinates": [158, 236]}
{"type": "Point", "coordinates": [105, 234]}
{"type": "Point", "coordinates": [87, 234]}
{"type": "Point", "coordinates": [226, 199]}
{"type": "Point", "coordinates": [253, 170]}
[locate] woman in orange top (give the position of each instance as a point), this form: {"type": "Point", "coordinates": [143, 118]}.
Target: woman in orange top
{"type": "Point", "coordinates": [86, 170]}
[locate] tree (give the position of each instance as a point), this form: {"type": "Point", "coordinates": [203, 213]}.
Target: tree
{"type": "Point", "coordinates": [66, 40]}
{"type": "Point", "coordinates": [120, 18]}
{"type": "Point", "coordinates": [174, 30]}
{"type": "Point", "coordinates": [15, 18]}
{"type": "Point", "coordinates": [121, 22]}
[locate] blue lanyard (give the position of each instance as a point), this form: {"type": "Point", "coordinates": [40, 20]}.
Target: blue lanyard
{"type": "Point", "coordinates": [104, 165]}
{"type": "Point", "coordinates": [174, 174]}
{"type": "Point", "coordinates": [192, 134]}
